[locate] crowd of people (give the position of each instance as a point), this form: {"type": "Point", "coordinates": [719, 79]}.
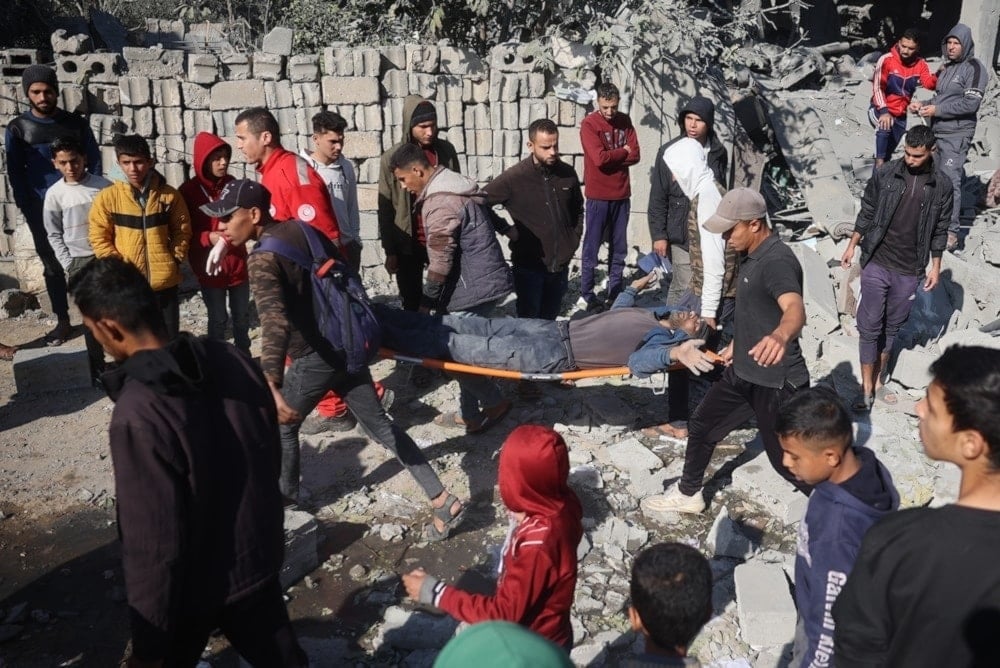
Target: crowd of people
{"type": "Point", "coordinates": [205, 440]}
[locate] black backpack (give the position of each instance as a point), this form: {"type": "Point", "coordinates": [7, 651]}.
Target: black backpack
{"type": "Point", "coordinates": [341, 307]}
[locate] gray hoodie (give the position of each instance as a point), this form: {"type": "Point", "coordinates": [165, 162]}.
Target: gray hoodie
{"type": "Point", "coordinates": [960, 87]}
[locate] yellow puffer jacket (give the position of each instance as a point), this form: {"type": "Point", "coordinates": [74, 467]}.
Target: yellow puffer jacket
{"type": "Point", "coordinates": [155, 239]}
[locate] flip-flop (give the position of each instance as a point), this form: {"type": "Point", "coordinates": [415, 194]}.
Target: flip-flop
{"type": "Point", "coordinates": [886, 396]}
{"type": "Point", "coordinates": [667, 430]}
{"type": "Point", "coordinates": [443, 513]}
{"type": "Point", "coordinates": [863, 404]}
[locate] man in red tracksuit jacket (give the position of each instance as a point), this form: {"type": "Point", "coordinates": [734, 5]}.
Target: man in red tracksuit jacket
{"type": "Point", "coordinates": [298, 192]}
{"type": "Point", "coordinates": [538, 568]}
{"type": "Point", "coordinates": [610, 147]}
{"type": "Point", "coordinates": [897, 74]}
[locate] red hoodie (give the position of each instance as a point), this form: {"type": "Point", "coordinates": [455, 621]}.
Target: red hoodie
{"type": "Point", "coordinates": [605, 160]}
{"type": "Point", "coordinates": [538, 568]}
{"type": "Point", "coordinates": [201, 189]}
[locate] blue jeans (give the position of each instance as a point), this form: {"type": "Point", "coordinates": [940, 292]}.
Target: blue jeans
{"type": "Point", "coordinates": [239, 304]}
{"type": "Point", "coordinates": [606, 220]}
{"type": "Point", "coordinates": [306, 381]}
{"type": "Point", "coordinates": [540, 292]}
{"type": "Point", "coordinates": [476, 393]}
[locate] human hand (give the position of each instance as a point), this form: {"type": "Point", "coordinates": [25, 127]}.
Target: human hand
{"type": "Point", "coordinates": [927, 111]}
{"type": "Point", "coordinates": [885, 122]}
{"type": "Point", "coordinates": [914, 107]}
{"type": "Point", "coordinates": [661, 247]}
{"type": "Point", "coordinates": [933, 277]}
{"type": "Point", "coordinates": [213, 265]}
{"type": "Point", "coordinates": [769, 351]}
{"type": "Point", "coordinates": [641, 283]}
{"type": "Point", "coordinates": [847, 257]}
{"type": "Point", "coordinates": [727, 355]}
{"type": "Point", "coordinates": [286, 414]}
{"type": "Point", "coordinates": [711, 322]}
{"type": "Point", "coordinates": [413, 581]}
{"type": "Point", "coordinates": [391, 264]}
{"type": "Point", "coordinates": [690, 355]}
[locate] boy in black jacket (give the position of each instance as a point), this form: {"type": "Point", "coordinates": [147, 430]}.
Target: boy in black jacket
{"type": "Point", "coordinates": [851, 490]}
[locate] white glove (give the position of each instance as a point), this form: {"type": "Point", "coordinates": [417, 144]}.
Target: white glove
{"type": "Point", "coordinates": [689, 354]}
{"type": "Point", "coordinates": [213, 266]}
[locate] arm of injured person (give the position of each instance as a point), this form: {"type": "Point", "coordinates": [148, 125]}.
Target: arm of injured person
{"type": "Point", "coordinates": [659, 350]}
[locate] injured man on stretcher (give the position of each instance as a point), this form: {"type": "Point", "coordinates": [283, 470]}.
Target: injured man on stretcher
{"type": "Point", "coordinates": [646, 340]}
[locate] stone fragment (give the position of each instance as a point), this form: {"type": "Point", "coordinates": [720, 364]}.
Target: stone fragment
{"type": "Point", "coordinates": [726, 540]}
{"type": "Point", "coordinates": [631, 455]}
{"type": "Point", "coordinates": [89, 68]}
{"type": "Point", "coordinates": [303, 68]}
{"type": "Point", "coordinates": [817, 290]}
{"type": "Point", "coordinates": [154, 62]}
{"type": "Point", "coordinates": [301, 556]}
{"type": "Point", "coordinates": [585, 477]}
{"type": "Point", "coordinates": [268, 66]}
{"type": "Point", "coordinates": [761, 484]}
{"type": "Point", "coordinates": [406, 630]}
{"type": "Point", "coordinates": [65, 44]}
{"type": "Point", "coordinates": [235, 66]}
{"type": "Point", "coordinates": [278, 41]}
{"type": "Point", "coordinates": [765, 605]}
{"type": "Point", "coordinates": [52, 369]}
{"type": "Point", "coordinates": [203, 68]}
{"type": "Point", "coordinates": [237, 95]}
{"type": "Point", "coordinates": [195, 96]}
{"type": "Point", "coordinates": [911, 368]}
{"type": "Point", "coordinates": [460, 61]}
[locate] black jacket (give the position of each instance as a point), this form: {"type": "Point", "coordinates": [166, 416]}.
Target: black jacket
{"type": "Point", "coordinates": [667, 212]}
{"type": "Point", "coordinates": [546, 204]}
{"type": "Point", "coordinates": [883, 194]}
{"type": "Point", "coordinates": [196, 454]}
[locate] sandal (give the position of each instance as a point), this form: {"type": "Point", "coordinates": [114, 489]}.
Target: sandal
{"type": "Point", "coordinates": [443, 513]}
{"type": "Point", "coordinates": [7, 352]}
{"type": "Point", "coordinates": [666, 430]}
{"type": "Point", "coordinates": [863, 404]}
{"type": "Point", "coordinates": [886, 396]}
{"type": "Point", "coordinates": [489, 417]}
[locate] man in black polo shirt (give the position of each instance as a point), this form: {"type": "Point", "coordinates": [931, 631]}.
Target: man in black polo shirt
{"type": "Point", "coordinates": [765, 364]}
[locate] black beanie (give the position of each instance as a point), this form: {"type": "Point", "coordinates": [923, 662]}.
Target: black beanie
{"type": "Point", "coordinates": [39, 74]}
{"type": "Point", "coordinates": [423, 112]}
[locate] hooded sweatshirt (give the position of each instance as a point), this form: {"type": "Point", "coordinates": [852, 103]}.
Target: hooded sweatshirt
{"type": "Point", "coordinates": [715, 153]}
{"type": "Point", "coordinates": [960, 87]}
{"type": "Point", "coordinates": [538, 566]}
{"type": "Point", "coordinates": [686, 160]}
{"type": "Point", "coordinates": [396, 226]}
{"type": "Point", "coordinates": [895, 81]}
{"type": "Point", "coordinates": [196, 455]}
{"type": "Point", "coordinates": [836, 520]}
{"type": "Point", "coordinates": [605, 160]}
{"type": "Point", "coordinates": [202, 189]}
{"type": "Point", "coordinates": [465, 263]}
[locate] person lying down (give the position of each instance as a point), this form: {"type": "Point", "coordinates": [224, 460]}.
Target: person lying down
{"type": "Point", "coordinates": [646, 340]}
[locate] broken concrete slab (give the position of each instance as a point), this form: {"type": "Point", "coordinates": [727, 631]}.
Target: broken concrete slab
{"type": "Point", "coordinates": [52, 369]}
{"type": "Point", "coordinates": [911, 367]}
{"type": "Point", "coordinates": [726, 540]}
{"type": "Point", "coordinates": [817, 290]}
{"type": "Point", "coordinates": [409, 630]}
{"type": "Point", "coordinates": [764, 600]}
{"type": "Point", "coordinates": [762, 485]}
{"type": "Point", "coordinates": [630, 455]}
{"type": "Point", "coordinates": [301, 557]}
{"type": "Point", "coordinates": [279, 41]}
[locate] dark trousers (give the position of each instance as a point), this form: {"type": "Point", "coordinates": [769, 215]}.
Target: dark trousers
{"type": "Point", "coordinates": [218, 314]}
{"type": "Point", "coordinates": [952, 151]}
{"type": "Point", "coordinates": [679, 383]}
{"type": "Point", "coordinates": [95, 352]}
{"type": "Point", "coordinates": [886, 300]}
{"type": "Point", "coordinates": [886, 141]}
{"type": "Point", "coordinates": [540, 292]}
{"type": "Point", "coordinates": [171, 309]}
{"type": "Point", "coordinates": [410, 277]}
{"type": "Point", "coordinates": [306, 381]}
{"type": "Point", "coordinates": [52, 271]}
{"type": "Point", "coordinates": [257, 627]}
{"type": "Point", "coordinates": [728, 404]}
{"type": "Point", "coordinates": [606, 219]}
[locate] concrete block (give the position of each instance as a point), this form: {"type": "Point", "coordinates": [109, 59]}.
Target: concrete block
{"type": "Point", "coordinates": [135, 91]}
{"type": "Point", "coordinates": [452, 113]}
{"type": "Point", "coordinates": [368, 171]}
{"type": "Point", "coordinates": [414, 630]}
{"type": "Point", "coordinates": [817, 289]}
{"type": "Point", "coordinates": [510, 87]}
{"type": "Point", "coordinates": [476, 91]}
{"type": "Point", "coordinates": [372, 117]}
{"type": "Point", "coordinates": [967, 337]}
{"type": "Point", "coordinates": [202, 68]}
{"type": "Point", "coordinates": [422, 58]}
{"type": "Point", "coordinates": [393, 57]}
{"type": "Point", "coordinates": [237, 95]}
{"type": "Point", "coordinates": [630, 455]}
{"type": "Point", "coordinates": [456, 136]}
{"type": "Point", "coordinates": [225, 123]}
{"type": "Point", "coordinates": [422, 84]}
{"type": "Point", "coordinates": [235, 66]}
{"type": "Point", "coordinates": [512, 143]}
{"type": "Point", "coordinates": [89, 67]}
{"type": "Point", "coordinates": [195, 96]}
{"type": "Point", "coordinates": [105, 127]}
{"type": "Point", "coordinates": [303, 68]}
{"type": "Point", "coordinates": [301, 557]}
{"type": "Point", "coordinates": [169, 149]}
{"type": "Point", "coordinates": [726, 540]}
{"type": "Point", "coordinates": [367, 62]}
{"type": "Point", "coordinates": [278, 41]}
{"type": "Point", "coordinates": [460, 61]}
{"type": "Point", "coordinates": [288, 120]}
{"type": "Point", "coordinates": [139, 120]}
{"type": "Point", "coordinates": [168, 120]}
{"type": "Point", "coordinates": [911, 368]}
{"type": "Point", "coordinates": [368, 198]}
{"type": "Point", "coordinates": [487, 168]}
{"type": "Point", "coordinates": [396, 83]}
{"type": "Point", "coordinates": [764, 604]}
{"type": "Point", "coordinates": [567, 113]}
{"type": "Point", "coordinates": [338, 61]}
{"type": "Point", "coordinates": [536, 84]}
{"type": "Point", "coordinates": [307, 94]}
{"type": "Point", "coordinates": [268, 66]}
{"type": "Point", "coordinates": [52, 369]}
{"type": "Point", "coordinates": [361, 145]}
{"type": "Point", "coordinates": [103, 99]}
{"type": "Point", "coordinates": [841, 354]}
{"type": "Point", "coordinates": [303, 120]}
{"type": "Point", "coordinates": [350, 90]}
{"type": "Point", "coordinates": [74, 98]}
{"type": "Point", "coordinates": [762, 485]}
{"type": "Point", "coordinates": [572, 55]}
{"type": "Point", "coordinates": [511, 56]}
{"type": "Point", "coordinates": [530, 109]}
{"type": "Point", "coordinates": [154, 62]}
{"type": "Point", "coordinates": [64, 44]}
{"type": "Point", "coordinates": [569, 141]}
{"type": "Point", "coordinates": [174, 172]}
{"type": "Point", "coordinates": [197, 121]}
{"type": "Point", "coordinates": [449, 87]}
{"type": "Point", "coordinates": [278, 94]}
{"type": "Point", "coordinates": [166, 93]}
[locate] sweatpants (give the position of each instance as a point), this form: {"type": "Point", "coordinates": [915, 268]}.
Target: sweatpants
{"type": "Point", "coordinates": [952, 151]}
{"type": "Point", "coordinates": [886, 300]}
{"type": "Point", "coordinates": [606, 219]}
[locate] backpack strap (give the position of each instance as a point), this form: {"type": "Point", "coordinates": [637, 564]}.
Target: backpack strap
{"type": "Point", "coordinates": [271, 244]}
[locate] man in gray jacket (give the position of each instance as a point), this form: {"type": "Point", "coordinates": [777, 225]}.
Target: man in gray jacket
{"type": "Point", "coordinates": [466, 271]}
{"type": "Point", "coordinates": [961, 83]}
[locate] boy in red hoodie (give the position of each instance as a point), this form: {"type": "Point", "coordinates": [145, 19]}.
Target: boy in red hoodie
{"type": "Point", "coordinates": [221, 269]}
{"type": "Point", "coordinates": [538, 567]}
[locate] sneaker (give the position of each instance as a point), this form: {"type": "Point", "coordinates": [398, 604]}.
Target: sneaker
{"type": "Point", "coordinates": [674, 501]}
{"type": "Point", "coordinates": [317, 424]}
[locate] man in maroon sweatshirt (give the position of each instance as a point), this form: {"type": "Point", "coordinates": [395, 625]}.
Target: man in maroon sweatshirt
{"type": "Point", "coordinates": [610, 147]}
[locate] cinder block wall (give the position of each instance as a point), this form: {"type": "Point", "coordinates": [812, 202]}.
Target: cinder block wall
{"type": "Point", "coordinates": [169, 95]}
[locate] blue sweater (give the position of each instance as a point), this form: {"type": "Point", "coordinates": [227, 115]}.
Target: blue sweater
{"type": "Point", "coordinates": [653, 354]}
{"type": "Point", "coordinates": [829, 539]}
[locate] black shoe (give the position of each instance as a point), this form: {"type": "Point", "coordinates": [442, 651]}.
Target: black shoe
{"type": "Point", "coordinates": [596, 307]}
{"type": "Point", "coordinates": [388, 397]}
{"type": "Point", "coordinates": [318, 424]}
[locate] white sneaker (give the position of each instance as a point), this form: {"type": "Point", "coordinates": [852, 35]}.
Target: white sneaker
{"type": "Point", "coordinates": [674, 501]}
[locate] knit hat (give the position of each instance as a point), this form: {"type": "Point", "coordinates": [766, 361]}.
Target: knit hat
{"type": "Point", "coordinates": [501, 645]}
{"type": "Point", "coordinates": [39, 74]}
{"type": "Point", "coordinates": [423, 112]}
